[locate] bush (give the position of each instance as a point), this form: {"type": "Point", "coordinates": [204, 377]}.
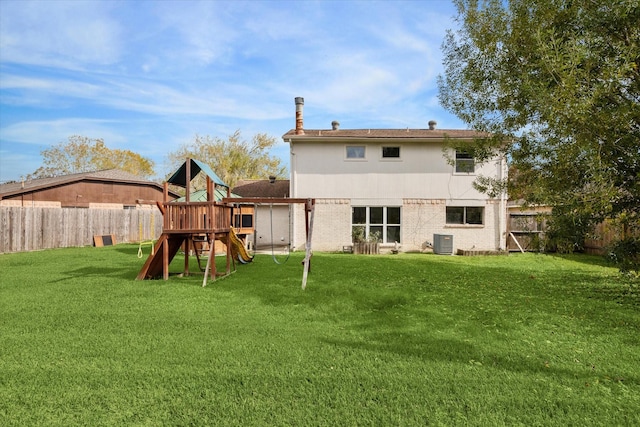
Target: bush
{"type": "Point", "coordinates": [625, 254]}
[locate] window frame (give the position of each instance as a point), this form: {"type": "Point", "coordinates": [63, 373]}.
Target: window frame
{"type": "Point", "coordinates": [465, 163]}
{"type": "Point", "coordinates": [465, 216]}
{"type": "Point", "coordinates": [390, 158]}
{"type": "Point", "coordinates": [355, 159]}
{"type": "Point", "coordinates": [384, 225]}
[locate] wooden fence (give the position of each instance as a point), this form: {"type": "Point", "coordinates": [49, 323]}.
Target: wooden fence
{"type": "Point", "coordinates": [31, 229]}
{"type": "Point", "coordinates": [604, 235]}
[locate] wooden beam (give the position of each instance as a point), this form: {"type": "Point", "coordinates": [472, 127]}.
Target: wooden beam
{"type": "Point", "coordinates": [265, 200]}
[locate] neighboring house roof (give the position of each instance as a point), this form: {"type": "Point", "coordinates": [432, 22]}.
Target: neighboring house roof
{"type": "Point", "coordinates": [262, 188]}
{"type": "Point", "coordinates": [385, 133]}
{"type": "Point", "coordinates": [108, 175]}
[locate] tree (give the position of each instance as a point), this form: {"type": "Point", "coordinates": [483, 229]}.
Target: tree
{"type": "Point", "coordinates": [84, 154]}
{"type": "Point", "coordinates": [557, 84]}
{"type": "Point", "coordinates": [234, 158]}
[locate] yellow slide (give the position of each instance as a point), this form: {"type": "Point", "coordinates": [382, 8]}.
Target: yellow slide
{"type": "Point", "coordinates": [237, 248]}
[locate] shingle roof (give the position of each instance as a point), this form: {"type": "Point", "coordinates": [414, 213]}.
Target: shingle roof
{"type": "Point", "coordinates": [114, 175]}
{"type": "Point", "coordinates": [386, 133]}
{"type": "Point", "coordinates": [262, 188]}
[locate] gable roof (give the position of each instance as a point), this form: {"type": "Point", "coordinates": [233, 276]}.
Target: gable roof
{"type": "Point", "coordinates": [107, 175]}
{"type": "Point", "coordinates": [436, 134]}
{"type": "Point", "coordinates": [262, 188]}
{"type": "Point", "coordinates": [180, 176]}
{"type": "Point", "coordinates": [201, 196]}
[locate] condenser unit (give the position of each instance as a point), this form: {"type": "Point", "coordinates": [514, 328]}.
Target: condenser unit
{"type": "Point", "coordinates": [443, 244]}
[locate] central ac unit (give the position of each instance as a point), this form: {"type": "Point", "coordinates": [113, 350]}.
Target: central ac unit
{"type": "Point", "coordinates": [443, 244]}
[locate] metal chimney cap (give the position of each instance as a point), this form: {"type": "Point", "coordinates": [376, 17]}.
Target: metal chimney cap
{"type": "Point", "coordinates": [299, 100]}
{"type": "Point", "coordinates": [335, 125]}
{"type": "Point", "coordinates": [432, 124]}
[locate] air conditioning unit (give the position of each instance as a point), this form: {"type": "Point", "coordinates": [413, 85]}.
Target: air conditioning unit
{"type": "Point", "coordinates": [443, 244]}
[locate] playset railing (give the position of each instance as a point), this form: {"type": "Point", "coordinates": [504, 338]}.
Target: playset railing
{"type": "Point", "coordinates": [196, 217]}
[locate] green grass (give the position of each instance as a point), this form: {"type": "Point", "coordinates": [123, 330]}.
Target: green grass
{"type": "Point", "coordinates": [399, 340]}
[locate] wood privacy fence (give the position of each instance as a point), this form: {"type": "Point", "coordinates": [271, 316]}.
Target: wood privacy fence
{"type": "Point", "coordinates": [31, 229]}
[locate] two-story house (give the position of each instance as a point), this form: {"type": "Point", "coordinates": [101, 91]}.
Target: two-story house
{"type": "Point", "coordinates": [396, 183]}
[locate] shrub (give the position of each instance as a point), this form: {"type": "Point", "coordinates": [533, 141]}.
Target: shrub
{"type": "Point", "coordinates": [625, 254]}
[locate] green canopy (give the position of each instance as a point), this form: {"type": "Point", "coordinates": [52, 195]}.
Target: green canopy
{"type": "Point", "coordinates": [179, 178]}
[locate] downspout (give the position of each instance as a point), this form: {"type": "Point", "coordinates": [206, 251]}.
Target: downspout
{"type": "Point", "coordinates": [293, 192]}
{"type": "Point", "coordinates": [503, 207]}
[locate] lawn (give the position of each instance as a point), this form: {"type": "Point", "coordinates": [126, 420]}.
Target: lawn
{"type": "Point", "coordinates": [408, 339]}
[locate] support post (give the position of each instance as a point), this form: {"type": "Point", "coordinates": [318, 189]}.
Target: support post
{"type": "Point", "coordinates": [165, 259]}
{"type": "Point", "coordinates": [310, 206]}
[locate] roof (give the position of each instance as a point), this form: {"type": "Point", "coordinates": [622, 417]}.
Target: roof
{"type": "Point", "coordinates": [179, 177]}
{"type": "Point", "coordinates": [386, 133]}
{"type": "Point", "coordinates": [262, 188]}
{"type": "Point", "coordinates": [107, 175]}
{"type": "Point", "coordinates": [201, 196]}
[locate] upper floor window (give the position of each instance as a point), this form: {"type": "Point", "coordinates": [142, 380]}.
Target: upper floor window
{"type": "Point", "coordinates": [390, 152]}
{"type": "Point", "coordinates": [355, 152]}
{"type": "Point", "coordinates": [465, 162]}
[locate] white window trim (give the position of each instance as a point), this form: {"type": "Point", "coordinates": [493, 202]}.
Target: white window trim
{"type": "Point", "coordinates": [464, 224]}
{"type": "Point", "coordinates": [455, 166]}
{"type": "Point", "coordinates": [390, 159]}
{"type": "Point", "coordinates": [355, 159]}
{"type": "Point", "coordinates": [384, 224]}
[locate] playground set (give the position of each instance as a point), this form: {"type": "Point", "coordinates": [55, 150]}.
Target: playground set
{"type": "Point", "coordinates": [187, 225]}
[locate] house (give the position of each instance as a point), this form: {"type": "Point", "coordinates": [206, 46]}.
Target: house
{"type": "Point", "coordinates": [106, 189]}
{"type": "Point", "coordinates": [272, 221]}
{"type": "Point", "coordinates": [395, 184]}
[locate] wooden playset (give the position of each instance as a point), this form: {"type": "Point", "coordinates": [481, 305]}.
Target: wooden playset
{"type": "Point", "coordinates": [187, 225]}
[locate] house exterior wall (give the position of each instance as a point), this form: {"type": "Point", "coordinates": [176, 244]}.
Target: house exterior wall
{"type": "Point", "coordinates": [320, 169]}
{"type": "Point", "coordinates": [420, 182]}
{"type": "Point", "coordinates": [270, 220]}
{"type": "Point", "coordinates": [88, 194]}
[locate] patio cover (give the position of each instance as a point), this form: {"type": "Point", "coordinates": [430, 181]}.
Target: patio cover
{"type": "Point", "coordinates": [179, 178]}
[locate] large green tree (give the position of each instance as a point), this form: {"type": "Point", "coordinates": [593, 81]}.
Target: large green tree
{"type": "Point", "coordinates": [557, 84]}
{"type": "Point", "coordinates": [233, 158]}
{"type": "Point", "coordinates": [84, 154]}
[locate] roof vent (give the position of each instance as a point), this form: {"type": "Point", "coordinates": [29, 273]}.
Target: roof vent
{"type": "Point", "coordinates": [335, 125]}
{"type": "Point", "coordinates": [432, 124]}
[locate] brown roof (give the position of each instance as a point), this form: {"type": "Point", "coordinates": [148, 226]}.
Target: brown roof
{"type": "Point", "coordinates": [262, 188]}
{"type": "Point", "coordinates": [112, 175]}
{"type": "Point", "coordinates": [386, 133]}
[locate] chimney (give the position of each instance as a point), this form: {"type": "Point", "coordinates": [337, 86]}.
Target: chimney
{"type": "Point", "coordinates": [299, 122]}
{"type": "Point", "coordinates": [432, 124]}
{"type": "Point", "coordinates": [335, 125]}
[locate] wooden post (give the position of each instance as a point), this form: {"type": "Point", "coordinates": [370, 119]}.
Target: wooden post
{"type": "Point", "coordinates": [212, 253]}
{"type": "Point", "coordinates": [307, 259]}
{"type": "Point", "coordinates": [165, 259]}
{"type": "Point", "coordinates": [229, 252]}
{"type": "Point", "coordinates": [187, 181]}
{"type": "Point", "coordinates": [186, 246]}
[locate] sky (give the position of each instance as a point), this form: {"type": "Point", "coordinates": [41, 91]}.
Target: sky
{"type": "Point", "coordinates": [148, 76]}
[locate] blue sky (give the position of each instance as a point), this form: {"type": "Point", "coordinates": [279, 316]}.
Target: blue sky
{"type": "Point", "coordinates": [148, 76]}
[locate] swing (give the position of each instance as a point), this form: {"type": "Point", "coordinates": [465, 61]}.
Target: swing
{"type": "Point", "coordinates": [140, 236]}
{"type": "Point", "coordinates": [288, 247]}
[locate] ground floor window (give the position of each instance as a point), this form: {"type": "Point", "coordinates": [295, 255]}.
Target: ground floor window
{"type": "Point", "coordinates": [465, 215]}
{"type": "Point", "coordinates": [371, 222]}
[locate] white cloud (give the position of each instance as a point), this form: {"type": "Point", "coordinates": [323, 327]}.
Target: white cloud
{"type": "Point", "coordinates": [150, 75]}
{"type": "Point", "coordinates": [50, 132]}
{"type": "Point", "coordinates": [67, 34]}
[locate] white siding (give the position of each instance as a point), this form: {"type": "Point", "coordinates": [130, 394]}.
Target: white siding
{"type": "Point", "coordinates": [421, 182]}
